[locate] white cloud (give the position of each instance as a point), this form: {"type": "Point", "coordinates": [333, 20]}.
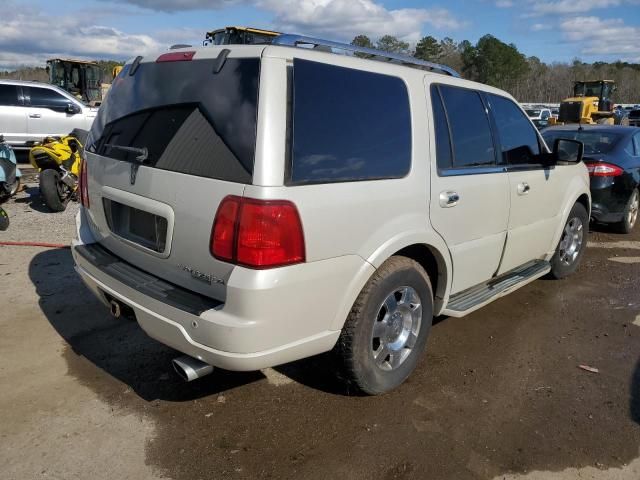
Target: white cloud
{"type": "Point", "coordinates": [603, 37]}
{"type": "Point", "coordinates": [343, 19]}
{"type": "Point", "coordinates": [539, 27]}
{"type": "Point", "coordinates": [536, 8]}
{"type": "Point", "coordinates": [504, 3]}
{"type": "Point", "coordinates": [71, 37]}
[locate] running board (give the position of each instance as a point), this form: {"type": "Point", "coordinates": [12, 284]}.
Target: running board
{"type": "Point", "coordinates": [471, 299]}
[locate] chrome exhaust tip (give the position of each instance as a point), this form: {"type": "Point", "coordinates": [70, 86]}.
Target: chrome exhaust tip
{"type": "Point", "coordinates": [115, 309]}
{"type": "Point", "coordinates": [189, 368]}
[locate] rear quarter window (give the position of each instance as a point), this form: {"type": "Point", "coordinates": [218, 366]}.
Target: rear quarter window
{"type": "Point", "coordinates": [348, 125]}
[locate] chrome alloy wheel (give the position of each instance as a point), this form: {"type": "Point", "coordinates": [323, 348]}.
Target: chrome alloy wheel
{"type": "Point", "coordinates": [571, 242]}
{"type": "Point", "coordinates": [632, 216]}
{"type": "Point", "coordinates": [396, 328]}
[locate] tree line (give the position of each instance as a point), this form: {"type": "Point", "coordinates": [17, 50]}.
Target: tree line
{"type": "Point", "coordinates": [40, 74]}
{"type": "Point", "coordinates": [502, 65]}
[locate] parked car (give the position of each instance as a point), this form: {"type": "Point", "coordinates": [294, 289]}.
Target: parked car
{"type": "Point", "coordinates": [612, 156]}
{"type": "Point", "coordinates": [539, 113]}
{"type": "Point", "coordinates": [634, 118]}
{"type": "Point", "coordinates": [31, 111]}
{"type": "Point", "coordinates": [254, 205]}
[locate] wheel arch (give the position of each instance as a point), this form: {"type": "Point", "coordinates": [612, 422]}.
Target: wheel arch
{"type": "Point", "coordinates": [429, 250]}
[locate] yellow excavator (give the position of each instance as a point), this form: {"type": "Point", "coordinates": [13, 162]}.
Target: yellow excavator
{"type": "Point", "coordinates": [239, 36]}
{"type": "Point", "coordinates": [590, 104]}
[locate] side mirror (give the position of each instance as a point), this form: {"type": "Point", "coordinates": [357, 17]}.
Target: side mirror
{"type": "Point", "coordinates": [568, 151]}
{"type": "Point", "coordinates": [73, 109]}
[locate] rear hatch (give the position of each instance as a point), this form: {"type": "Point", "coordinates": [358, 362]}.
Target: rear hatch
{"type": "Point", "coordinates": [171, 140]}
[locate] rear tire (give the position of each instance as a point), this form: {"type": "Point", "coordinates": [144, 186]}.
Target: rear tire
{"type": "Point", "coordinates": [387, 328]}
{"type": "Point", "coordinates": [572, 243]}
{"type": "Point", "coordinates": [15, 186]}
{"type": "Point", "coordinates": [52, 191]}
{"type": "Point", "coordinates": [630, 213]}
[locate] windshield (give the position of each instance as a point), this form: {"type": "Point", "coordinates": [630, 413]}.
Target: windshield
{"type": "Point", "coordinates": [594, 141]}
{"type": "Point", "coordinates": [533, 113]}
{"type": "Point", "coordinates": [185, 117]}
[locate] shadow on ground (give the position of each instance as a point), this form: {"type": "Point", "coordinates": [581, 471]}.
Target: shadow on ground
{"type": "Point", "coordinates": [118, 347]}
{"type": "Point", "coordinates": [33, 199]}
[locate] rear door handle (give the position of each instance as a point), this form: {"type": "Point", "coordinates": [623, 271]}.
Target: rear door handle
{"type": "Point", "coordinates": [523, 188]}
{"type": "Point", "coordinates": [34, 115]}
{"type": "Point", "coordinates": [449, 199]}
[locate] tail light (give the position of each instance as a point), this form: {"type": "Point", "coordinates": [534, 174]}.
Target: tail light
{"type": "Point", "coordinates": [603, 169]}
{"type": "Point", "coordinates": [83, 184]}
{"type": "Point", "coordinates": [257, 233]}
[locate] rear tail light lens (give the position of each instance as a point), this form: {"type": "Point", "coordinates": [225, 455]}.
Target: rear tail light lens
{"type": "Point", "coordinates": [258, 233]}
{"type": "Point", "coordinates": [603, 170]}
{"type": "Point", "coordinates": [83, 184]}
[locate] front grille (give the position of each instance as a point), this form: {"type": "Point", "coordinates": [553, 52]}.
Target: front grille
{"type": "Point", "coordinates": [570, 112]}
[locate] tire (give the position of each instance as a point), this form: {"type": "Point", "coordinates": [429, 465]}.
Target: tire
{"type": "Point", "coordinates": [15, 186]}
{"type": "Point", "coordinates": [392, 316]}
{"type": "Point", "coordinates": [630, 213]}
{"type": "Point", "coordinates": [52, 191]}
{"type": "Point", "coordinates": [572, 245]}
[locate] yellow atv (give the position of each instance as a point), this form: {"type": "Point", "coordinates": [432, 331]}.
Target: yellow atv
{"type": "Point", "coordinates": [58, 159]}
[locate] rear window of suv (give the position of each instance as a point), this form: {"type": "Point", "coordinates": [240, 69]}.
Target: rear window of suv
{"type": "Point", "coordinates": [188, 118]}
{"type": "Point", "coordinates": [348, 125]}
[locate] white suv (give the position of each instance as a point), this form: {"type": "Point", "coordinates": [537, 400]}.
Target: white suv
{"type": "Point", "coordinates": [254, 205]}
{"type": "Point", "coordinates": [30, 111]}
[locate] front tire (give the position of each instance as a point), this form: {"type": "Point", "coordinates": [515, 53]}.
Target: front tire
{"type": "Point", "coordinates": [630, 213]}
{"type": "Point", "coordinates": [52, 190]}
{"type": "Point", "coordinates": [387, 328]}
{"type": "Point", "coordinates": [572, 243]}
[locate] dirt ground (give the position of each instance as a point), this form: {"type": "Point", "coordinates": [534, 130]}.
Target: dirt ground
{"type": "Point", "coordinates": [498, 395]}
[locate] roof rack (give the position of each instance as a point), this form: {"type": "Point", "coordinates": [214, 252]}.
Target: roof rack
{"type": "Point", "coordinates": [371, 53]}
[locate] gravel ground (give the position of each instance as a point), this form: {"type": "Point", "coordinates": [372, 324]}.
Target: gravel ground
{"type": "Point", "coordinates": [31, 220]}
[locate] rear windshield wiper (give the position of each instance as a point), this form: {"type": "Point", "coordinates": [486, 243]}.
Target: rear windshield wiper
{"type": "Point", "coordinates": [143, 153]}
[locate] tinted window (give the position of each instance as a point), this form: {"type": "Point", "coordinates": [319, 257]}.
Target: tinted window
{"type": "Point", "coordinates": [443, 142]}
{"type": "Point", "coordinates": [45, 98]}
{"type": "Point", "coordinates": [472, 141]}
{"type": "Point", "coordinates": [348, 125]}
{"type": "Point", "coordinates": [9, 95]}
{"type": "Point", "coordinates": [594, 141]}
{"type": "Point", "coordinates": [518, 137]}
{"type": "Point", "coordinates": [189, 119]}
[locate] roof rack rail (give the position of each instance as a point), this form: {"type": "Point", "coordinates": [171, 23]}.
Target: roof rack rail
{"type": "Point", "coordinates": [371, 53]}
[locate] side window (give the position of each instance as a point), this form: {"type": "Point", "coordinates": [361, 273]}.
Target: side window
{"type": "Point", "coordinates": [518, 138]}
{"type": "Point", "coordinates": [348, 125]}
{"type": "Point", "coordinates": [469, 124]}
{"type": "Point", "coordinates": [443, 141]}
{"type": "Point", "coordinates": [47, 98]}
{"type": "Point", "coordinates": [636, 143]}
{"type": "Point", "coordinates": [545, 115]}
{"type": "Point", "coordinates": [9, 95]}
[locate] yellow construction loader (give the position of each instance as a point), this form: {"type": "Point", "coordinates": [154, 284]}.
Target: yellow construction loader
{"type": "Point", "coordinates": [591, 103]}
{"type": "Point", "coordinates": [239, 36]}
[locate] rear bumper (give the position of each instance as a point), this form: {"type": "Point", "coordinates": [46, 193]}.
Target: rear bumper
{"type": "Point", "coordinates": [609, 197]}
{"type": "Point", "coordinates": [268, 318]}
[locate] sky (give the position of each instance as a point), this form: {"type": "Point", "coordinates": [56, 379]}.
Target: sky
{"type": "Point", "coordinates": [593, 30]}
